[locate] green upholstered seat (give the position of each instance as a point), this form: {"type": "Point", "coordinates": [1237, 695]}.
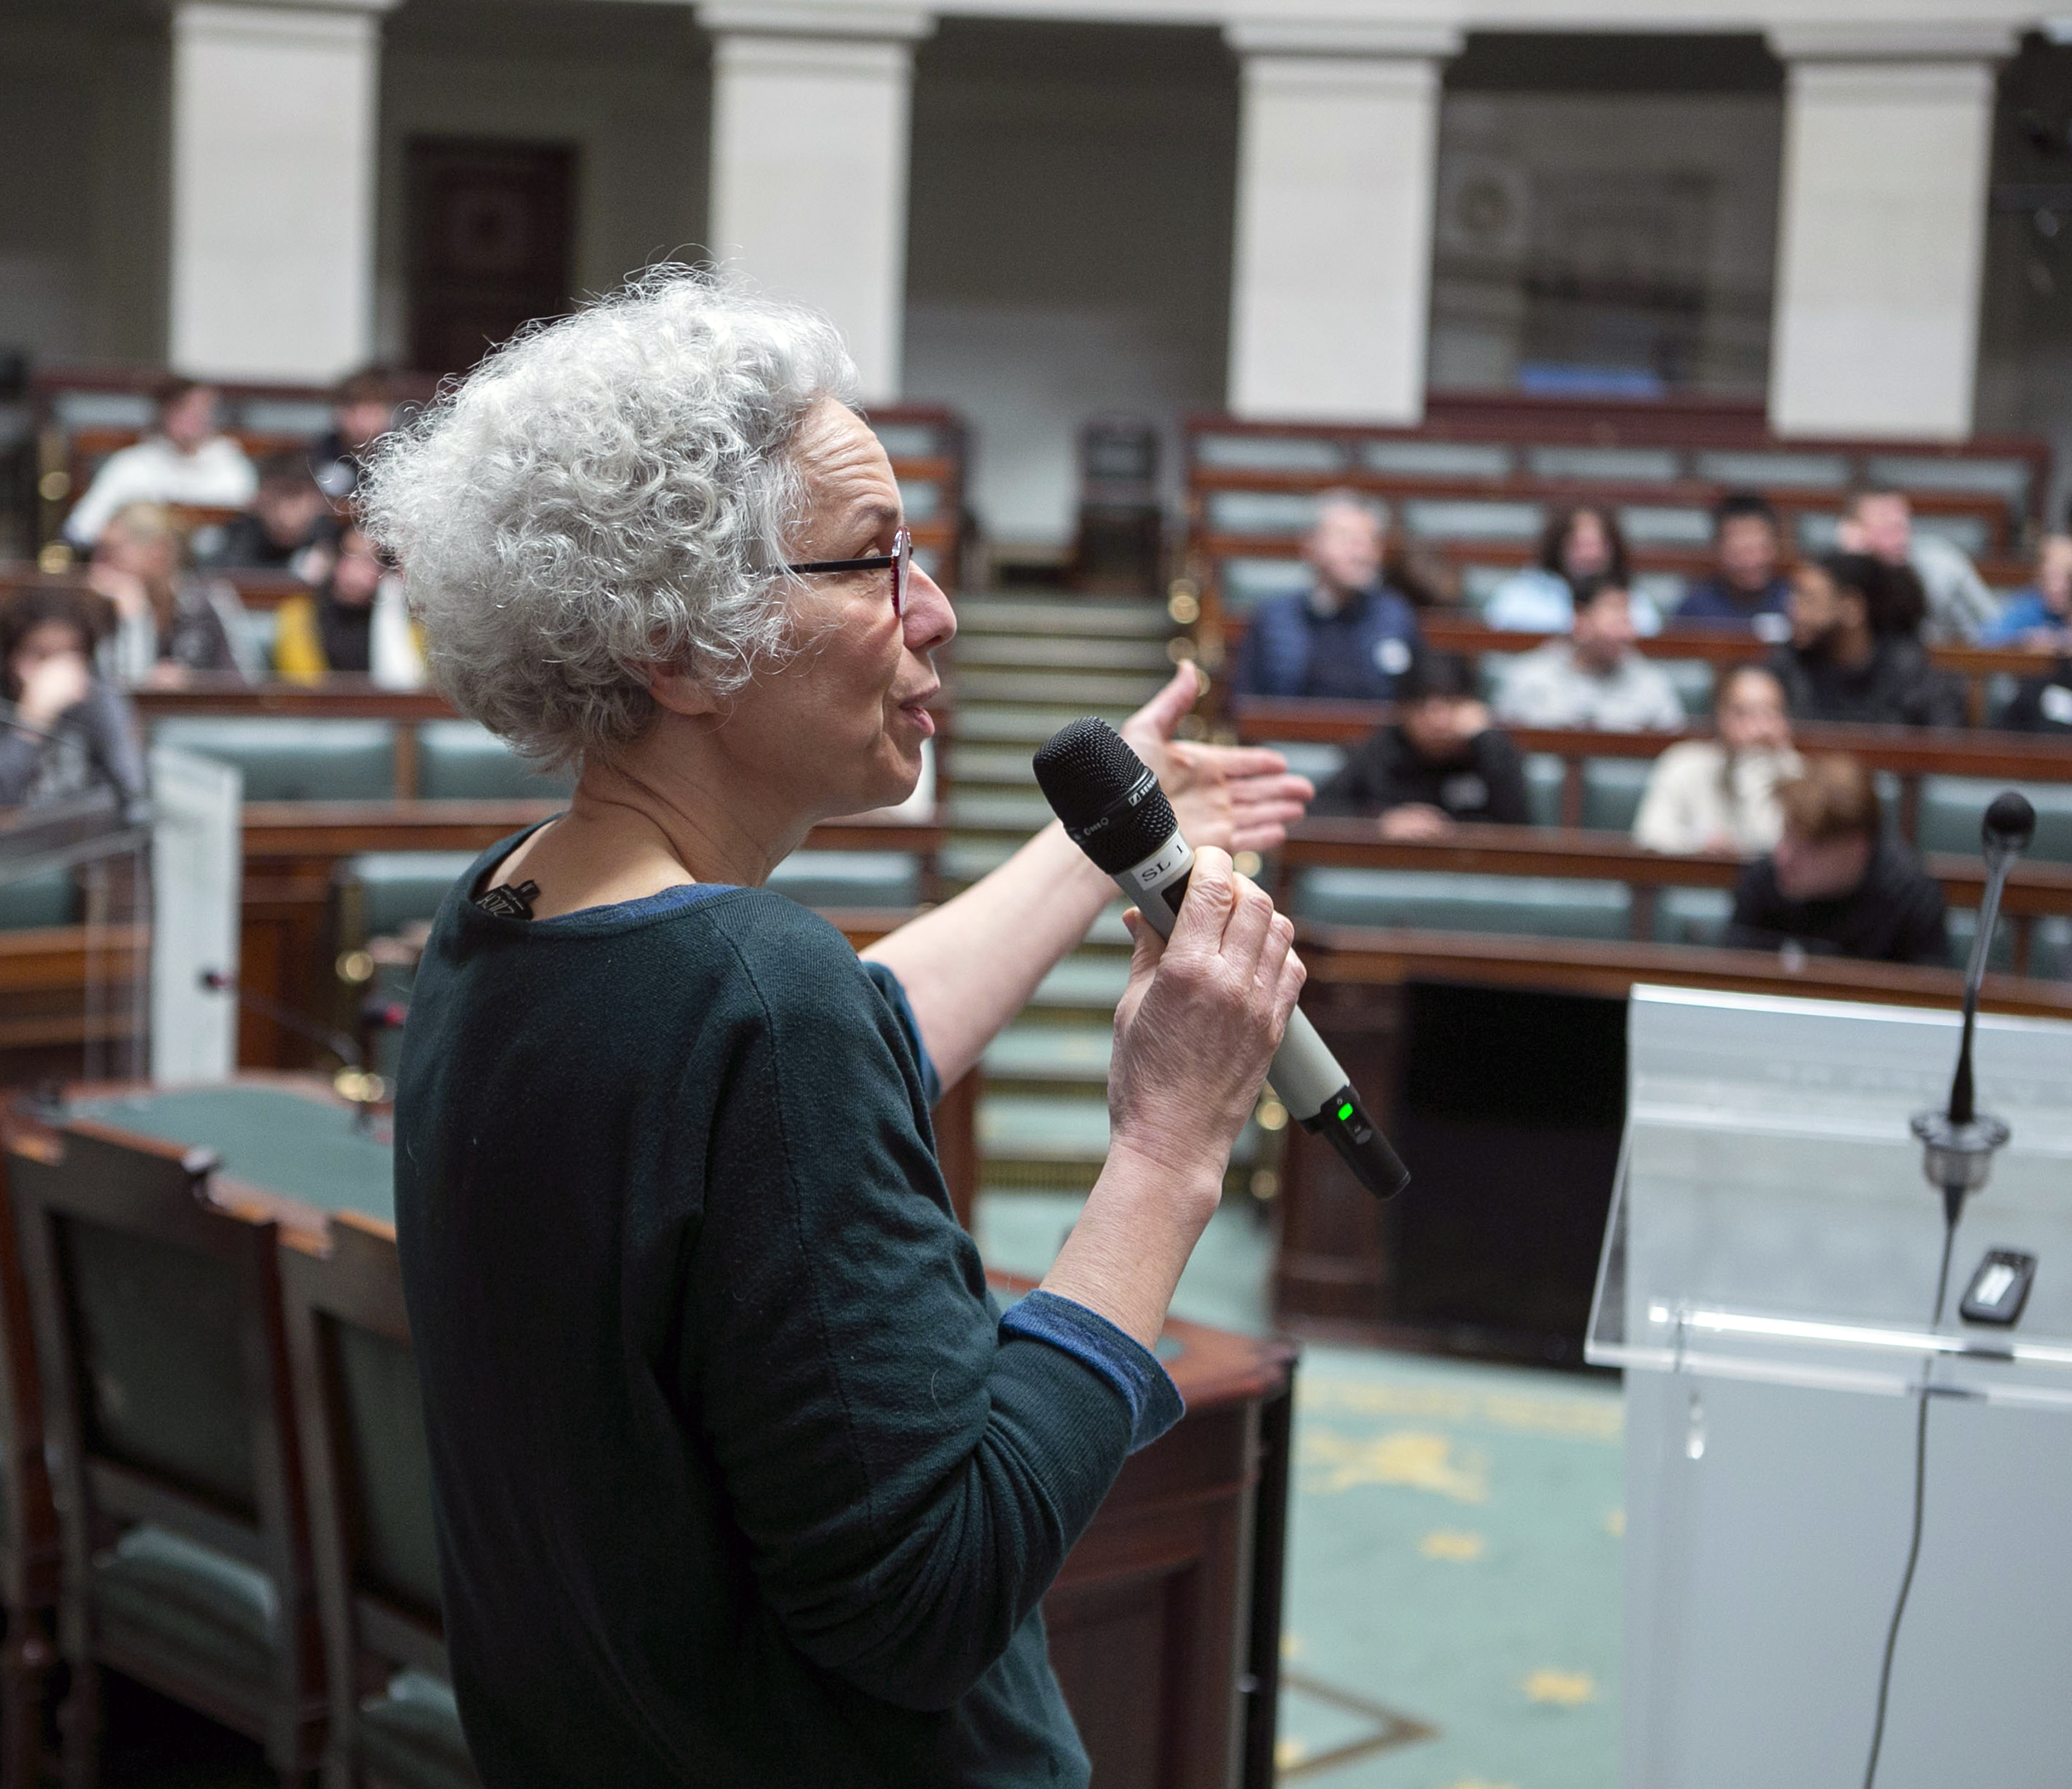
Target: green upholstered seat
{"type": "Point", "coordinates": [1693, 681]}
{"type": "Point", "coordinates": [2050, 944]}
{"type": "Point", "coordinates": [387, 889]}
{"type": "Point", "coordinates": [849, 878]}
{"type": "Point", "coordinates": [462, 760]}
{"type": "Point", "coordinates": [1693, 915]}
{"type": "Point", "coordinates": [391, 1463]}
{"type": "Point", "coordinates": [1612, 788]}
{"type": "Point", "coordinates": [287, 759]}
{"type": "Point", "coordinates": [1535, 906]}
{"type": "Point", "coordinates": [176, 1594]}
{"type": "Point", "coordinates": [1952, 807]}
{"type": "Point", "coordinates": [410, 1734]}
{"type": "Point", "coordinates": [1306, 758]}
{"type": "Point", "coordinates": [48, 899]}
{"type": "Point", "coordinates": [1963, 923]}
{"type": "Point", "coordinates": [1544, 776]}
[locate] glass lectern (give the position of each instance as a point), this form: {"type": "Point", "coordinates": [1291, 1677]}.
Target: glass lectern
{"type": "Point", "coordinates": [1767, 1279]}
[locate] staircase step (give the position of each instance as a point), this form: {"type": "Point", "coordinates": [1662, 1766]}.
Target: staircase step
{"type": "Point", "coordinates": [1079, 691]}
{"type": "Point", "coordinates": [1049, 652]}
{"type": "Point", "coordinates": [1072, 616]}
{"type": "Point", "coordinates": [995, 722]}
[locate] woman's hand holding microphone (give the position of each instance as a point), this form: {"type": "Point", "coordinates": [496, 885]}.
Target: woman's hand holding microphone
{"type": "Point", "coordinates": [1195, 1029]}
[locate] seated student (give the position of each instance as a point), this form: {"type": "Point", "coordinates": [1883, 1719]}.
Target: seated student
{"type": "Point", "coordinates": [1439, 762]}
{"type": "Point", "coordinates": [1349, 636]}
{"type": "Point", "coordinates": [1721, 794]}
{"type": "Point", "coordinates": [168, 621]}
{"type": "Point", "coordinates": [287, 516]}
{"type": "Point", "coordinates": [363, 411]}
{"type": "Point", "coordinates": [2042, 704]}
{"type": "Point", "coordinates": [1837, 884]}
{"type": "Point", "coordinates": [1851, 657]}
{"type": "Point", "coordinates": [185, 460]}
{"type": "Point", "coordinates": [1959, 607]}
{"type": "Point", "coordinates": [64, 729]}
{"type": "Point", "coordinates": [355, 622]}
{"type": "Point", "coordinates": [2040, 617]}
{"type": "Point", "coordinates": [1592, 678]}
{"type": "Point", "coordinates": [1747, 590]}
{"type": "Point", "coordinates": [1580, 547]}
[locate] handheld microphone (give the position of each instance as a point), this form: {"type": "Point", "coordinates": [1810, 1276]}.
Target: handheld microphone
{"type": "Point", "coordinates": [1958, 1142]}
{"type": "Point", "coordinates": [1114, 811]}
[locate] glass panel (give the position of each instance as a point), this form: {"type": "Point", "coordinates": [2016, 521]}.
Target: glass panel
{"type": "Point", "coordinates": [1772, 1222]}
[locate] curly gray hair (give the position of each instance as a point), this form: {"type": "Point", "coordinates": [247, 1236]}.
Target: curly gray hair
{"type": "Point", "coordinates": [607, 493]}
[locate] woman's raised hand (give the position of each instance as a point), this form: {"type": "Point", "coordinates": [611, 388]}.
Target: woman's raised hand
{"type": "Point", "coordinates": [1203, 1013]}
{"type": "Point", "coordinates": [1238, 798]}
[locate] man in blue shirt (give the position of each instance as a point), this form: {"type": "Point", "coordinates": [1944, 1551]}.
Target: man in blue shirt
{"type": "Point", "coordinates": [1748, 585]}
{"type": "Point", "coordinates": [1348, 637]}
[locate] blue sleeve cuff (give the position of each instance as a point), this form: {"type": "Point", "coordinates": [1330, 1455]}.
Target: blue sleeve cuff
{"type": "Point", "coordinates": [1145, 1387]}
{"type": "Point", "coordinates": [888, 984]}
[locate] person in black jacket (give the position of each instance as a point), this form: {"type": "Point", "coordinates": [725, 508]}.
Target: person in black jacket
{"type": "Point", "coordinates": [1852, 655]}
{"type": "Point", "coordinates": [1838, 884]}
{"type": "Point", "coordinates": [1439, 762]}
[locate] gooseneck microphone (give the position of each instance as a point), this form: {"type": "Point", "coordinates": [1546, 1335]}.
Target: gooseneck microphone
{"type": "Point", "coordinates": [1114, 811]}
{"type": "Point", "coordinates": [1959, 1143]}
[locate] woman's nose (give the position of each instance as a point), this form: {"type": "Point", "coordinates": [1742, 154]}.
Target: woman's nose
{"type": "Point", "coordinates": [930, 620]}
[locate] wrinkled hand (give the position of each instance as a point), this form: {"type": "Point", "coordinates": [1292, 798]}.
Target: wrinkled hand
{"type": "Point", "coordinates": [55, 685]}
{"type": "Point", "coordinates": [1236, 798]}
{"type": "Point", "coordinates": [1203, 1014]}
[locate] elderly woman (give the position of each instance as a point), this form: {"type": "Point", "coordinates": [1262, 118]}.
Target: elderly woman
{"type": "Point", "coordinates": [741, 1475]}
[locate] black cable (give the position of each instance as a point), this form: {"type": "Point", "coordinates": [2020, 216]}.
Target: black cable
{"type": "Point", "coordinates": [1952, 1207]}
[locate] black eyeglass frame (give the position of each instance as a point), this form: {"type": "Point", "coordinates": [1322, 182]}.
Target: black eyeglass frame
{"type": "Point", "coordinates": [899, 562]}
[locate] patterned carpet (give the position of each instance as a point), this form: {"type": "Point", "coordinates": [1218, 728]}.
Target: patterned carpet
{"type": "Point", "coordinates": [1453, 1611]}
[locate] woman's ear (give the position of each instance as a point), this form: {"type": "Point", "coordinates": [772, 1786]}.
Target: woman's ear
{"type": "Point", "coordinates": [680, 692]}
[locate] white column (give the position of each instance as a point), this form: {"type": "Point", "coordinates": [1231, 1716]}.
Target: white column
{"type": "Point", "coordinates": [810, 128]}
{"type": "Point", "coordinates": [1337, 155]}
{"type": "Point", "coordinates": [1882, 230]}
{"type": "Point", "coordinates": [273, 164]}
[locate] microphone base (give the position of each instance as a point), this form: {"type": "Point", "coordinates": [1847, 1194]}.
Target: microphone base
{"type": "Point", "coordinates": [1957, 1159]}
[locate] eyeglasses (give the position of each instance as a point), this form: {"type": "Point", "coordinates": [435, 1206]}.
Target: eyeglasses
{"type": "Point", "coordinates": [899, 562]}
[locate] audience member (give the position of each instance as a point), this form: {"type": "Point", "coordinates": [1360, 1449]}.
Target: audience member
{"type": "Point", "coordinates": [1838, 883]}
{"type": "Point", "coordinates": [1581, 546]}
{"type": "Point", "coordinates": [289, 517]}
{"type": "Point", "coordinates": [2041, 616]}
{"type": "Point", "coordinates": [1439, 762]}
{"type": "Point", "coordinates": [1349, 636]}
{"type": "Point", "coordinates": [1851, 658]}
{"type": "Point", "coordinates": [64, 729]}
{"type": "Point", "coordinates": [2042, 704]}
{"type": "Point", "coordinates": [1748, 590]}
{"type": "Point", "coordinates": [168, 619]}
{"type": "Point", "coordinates": [1881, 523]}
{"type": "Point", "coordinates": [363, 410]}
{"type": "Point", "coordinates": [1592, 678]}
{"type": "Point", "coordinates": [356, 621]}
{"type": "Point", "coordinates": [1721, 794]}
{"type": "Point", "coordinates": [184, 460]}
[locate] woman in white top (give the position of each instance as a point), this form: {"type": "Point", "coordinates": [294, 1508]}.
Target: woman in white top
{"type": "Point", "coordinates": [1721, 794]}
{"type": "Point", "coordinates": [1582, 545]}
{"type": "Point", "coordinates": [184, 461]}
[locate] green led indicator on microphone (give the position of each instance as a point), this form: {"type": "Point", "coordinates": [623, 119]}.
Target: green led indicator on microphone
{"type": "Point", "coordinates": [1345, 1112]}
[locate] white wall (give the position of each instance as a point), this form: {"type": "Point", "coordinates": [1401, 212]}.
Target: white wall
{"type": "Point", "coordinates": [627, 85]}
{"type": "Point", "coordinates": [1069, 245]}
{"type": "Point", "coordinates": [83, 202]}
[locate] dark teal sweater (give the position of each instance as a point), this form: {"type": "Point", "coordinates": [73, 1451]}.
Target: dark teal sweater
{"type": "Point", "coordinates": [739, 1480]}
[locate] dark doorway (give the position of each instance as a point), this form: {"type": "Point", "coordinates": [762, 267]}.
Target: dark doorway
{"type": "Point", "coordinates": [492, 232]}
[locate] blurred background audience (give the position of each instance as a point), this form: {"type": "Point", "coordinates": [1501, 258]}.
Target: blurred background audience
{"type": "Point", "coordinates": [1748, 589]}
{"type": "Point", "coordinates": [1594, 678]}
{"type": "Point", "coordinates": [1582, 547]}
{"type": "Point", "coordinates": [169, 619]}
{"type": "Point", "coordinates": [1881, 523]}
{"type": "Point", "coordinates": [289, 515]}
{"type": "Point", "coordinates": [1854, 655]}
{"type": "Point", "coordinates": [354, 621]}
{"type": "Point", "coordinates": [66, 729]}
{"type": "Point", "coordinates": [185, 460]}
{"type": "Point", "coordinates": [1721, 794]}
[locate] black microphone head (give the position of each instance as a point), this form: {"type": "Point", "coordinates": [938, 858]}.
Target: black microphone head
{"type": "Point", "coordinates": [1110, 802]}
{"type": "Point", "coordinates": [2010, 822]}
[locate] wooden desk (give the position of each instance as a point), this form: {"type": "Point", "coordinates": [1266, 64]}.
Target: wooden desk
{"type": "Point", "coordinates": [1166, 1621]}
{"type": "Point", "coordinates": [2033, 890]}
{"type": "Point", "coordinates": [1525, 1202]}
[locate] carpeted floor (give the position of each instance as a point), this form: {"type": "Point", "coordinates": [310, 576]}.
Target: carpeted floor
{"type": "Point", "coordinates": [1452, 1620]}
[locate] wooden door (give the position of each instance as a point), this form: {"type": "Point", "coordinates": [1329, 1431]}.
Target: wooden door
{"type": "Point", "coordinates": [490, 227]}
